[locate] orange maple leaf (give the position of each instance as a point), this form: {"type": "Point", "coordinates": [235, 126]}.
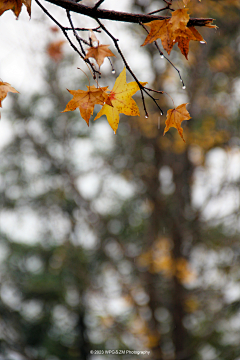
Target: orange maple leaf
{"type": "Point", "coordinates": [175, 117]}
{"type": "Point", "coordinates": [99, 53]}
{"type": "Point", "coordinates": [15, 6]}
{"type": "Point", "coordinates": [179, 19]}
{"type": "Point", "coordinates": [86, 100]}
{"type": "Point", "coordinates": [4, 89]}
{"type": "Point", "coordinates": [183, 38]}
{"type": "Point", "coordinates": [121, 100]}
{"type": "Point", "coordinates": [160, 29]}
{"type": "Point", "coordinates": [173, 30]}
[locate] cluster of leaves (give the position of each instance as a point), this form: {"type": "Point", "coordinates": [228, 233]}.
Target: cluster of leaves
{"type": "Point", "coordinates": [171, 30]}
{"type": "Point", "coordinates": [119, 100]}
{"type": "Point", "coordinates": [174, 30]}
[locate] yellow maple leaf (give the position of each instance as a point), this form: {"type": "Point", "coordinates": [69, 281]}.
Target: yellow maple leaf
{"type": "Point", "coordinates": [86, 100]}
{"type": "Point", "coordinates": [99, 53]}
{"type": "Point", "coordinates": [121, 100]}
{"type": "Point", "coordinates": [4, 89]}
{"type": "Point", "coordinates": [15, 6]}
{"type": "Point", "coordinates": [175, 117]}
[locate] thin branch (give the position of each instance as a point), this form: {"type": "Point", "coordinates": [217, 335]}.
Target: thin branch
{"type": "Point", "coordinates": [120, 16]}
{"type": "Point", "coordinates": [156, 91]}
{"type": "Point", "coordinates": [66, 35]}
{"type": "Point", "coordinates": [84, 29]}
{"type": "Point", "coordinates": [141, 87]}
{"type": "Point", "coordinates": [98, 4]}
{"type": "Point", "coordinates": [79, 40]}
{"type": "Point", "coordinates": [162, 55]}
{"type": "Point", "coordinates": [169, 3]}
{"type": "Point", "coordinates": [156, 11]}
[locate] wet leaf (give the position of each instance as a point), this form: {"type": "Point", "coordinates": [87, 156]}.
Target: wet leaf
{"type": "Point", "coordinates": [122, 102]}
{"type": "Point", "coordinates": [86, 100]}
{"type": "Point", "coordinates": [175, 118]}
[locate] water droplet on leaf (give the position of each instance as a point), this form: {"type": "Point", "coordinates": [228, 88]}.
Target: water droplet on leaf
{"type": "Point", "coordinates": [203, 42]}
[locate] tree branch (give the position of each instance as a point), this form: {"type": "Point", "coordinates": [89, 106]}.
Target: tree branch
{"type": "Point", "coordinates": [119, 16]}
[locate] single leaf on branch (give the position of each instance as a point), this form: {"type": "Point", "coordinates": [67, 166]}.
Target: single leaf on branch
{"type": "Point", "coordinates": [15, 6]}
{"type": "Point", "coordinates": [160, 29]}
{"type": "Point", "coordinates": [99, 53]}
{"type": "Point", "coordinates": [4, 89]}
{"type": "Point", "coordinates": [86, 100]}
{"type": "Point", "coordinates": [121, 100]}
{"type": "Point", "coordinates": [175, 118]}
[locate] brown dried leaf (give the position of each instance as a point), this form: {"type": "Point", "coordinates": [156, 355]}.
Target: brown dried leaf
{"type": "Point", "coordinates": [160, 29]}
{"type": "Point", "coordinates": [99, 53]}
{"type": "Point", "coordinates": [196, 34]}
{"type": "Point", "coordinates": [174, 30]}
{"type": "Point", "coordinates": [15, 6]}
{"type": "Point", "coordinates": [179, 19]}
{"type": "Point", "coordinates": [175, 117]}
{"type": "Point", "coordinates": [184, 36]}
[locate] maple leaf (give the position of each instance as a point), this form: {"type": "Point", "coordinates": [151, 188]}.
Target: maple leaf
{"type": "Point", "coordinates": [99, 53]}
{"type": "Point", "coordinates": [160, 29]}
{"type": "Point", "coordinates": [121, 99]}
{"type": "Point", "coordinates": [15, 6]}
{"type": "Point", "coordinates": [183, 38]}
{"type": "Point", "coordinates": [175, 117]}
{"type": "Point", "coordinates": [86, 100]}
{"type": "Point", "coordinates": [196, 34]}
{"type": "Point", "coordinates": [4, 89]}
{"type": "Point", "coordinates": [173, 30]}
{"type": "Point", "coordinates": [179, 19]}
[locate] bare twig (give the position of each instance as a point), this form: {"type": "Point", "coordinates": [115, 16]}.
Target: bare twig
{"type": "Point", "coordinates": [66, 35]}
{"type": "Point", "coordinates": [141, 87]}
{"type": "Point", "coordinates": [79, 40]}
{"type": "Point", "coordinates": [156, 11]}
{"type": "Point", "coordinates": [84, 29]}
{"type": "Point", "coordinates": [162, 55]}
{"type": "Point", "coordinates": [98, 4]}
{"type": "Point", "coordinates": [169, 3]}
